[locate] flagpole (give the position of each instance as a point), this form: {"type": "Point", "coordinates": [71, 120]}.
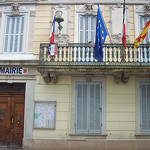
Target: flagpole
{"type": "Point", "coordinates": [105, 26]}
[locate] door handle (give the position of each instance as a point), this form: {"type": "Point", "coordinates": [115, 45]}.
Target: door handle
{"type": "Point", "coordinates": [19, 118]}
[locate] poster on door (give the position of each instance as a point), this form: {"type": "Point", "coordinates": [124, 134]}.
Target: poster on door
{"type": "Point", "coordinates": [45, 115]}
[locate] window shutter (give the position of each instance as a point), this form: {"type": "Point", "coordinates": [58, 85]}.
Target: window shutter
{"type": "Point", "coordinates": [148, 106]}
{"type": "Point", "coordinates": [87, 28]}
{"type": "Point", "coordinates": [88, 112]}
{"type": "Point", "coordinates": [95, 111]}
{"type": "Point", "coordinates": [14, 34]}
{"type": "Point", "coordinates": [82, 108]}
{"type": "Point", "coordinates": [145, 107]}
{"type": "Point", "coordinates": [81, 30]}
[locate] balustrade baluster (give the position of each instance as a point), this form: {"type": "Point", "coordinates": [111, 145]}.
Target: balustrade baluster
{"type": "Point", "coordinates": [117, 54]}
{"type": "Point", "coordinates": [67, 54]}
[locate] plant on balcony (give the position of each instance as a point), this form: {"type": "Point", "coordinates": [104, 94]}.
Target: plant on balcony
{"type": "Point", "coordinates": [148, 43]}
{"type": "Point", "coordinates": [91, 44]}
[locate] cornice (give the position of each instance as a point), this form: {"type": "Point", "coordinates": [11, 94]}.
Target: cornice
{"type": "Point", "coordinates": [95, 2]}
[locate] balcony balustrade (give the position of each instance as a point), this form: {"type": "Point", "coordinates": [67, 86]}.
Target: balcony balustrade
{"type": "Point", "coordinates": [82, 54]}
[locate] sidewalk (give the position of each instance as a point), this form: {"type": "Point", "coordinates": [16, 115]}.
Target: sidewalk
{"type": "Point", "coordinates": [5, 148]}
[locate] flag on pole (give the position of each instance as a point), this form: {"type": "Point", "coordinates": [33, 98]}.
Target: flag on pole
{"type": "Point", "coordinates": [142, 35]}
{"type": "Point", "coordinates": [101, 34]}
{"type": "Point", "coordinates": [51, 36]}
{"type": "Point", "coordinates": [124, 28]}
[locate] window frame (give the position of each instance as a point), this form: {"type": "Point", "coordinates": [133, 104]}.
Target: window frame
{"type": "Point", "coordinates": [143, 24]}
{"type": "Point", "coordinates": [23, 40]}
{"type": "Point", "coordinates": [138, 82]}
{"type": "Point", "coordinates": [89, 131]}
{"type": "Point", "coordinates": [73, 132]}
{"type": "Point", "coordinates": [89, 18]}
{"type": "Point", "coordinates": [143, 131]}
{"type": "Point", "coordinates": [28, 11]}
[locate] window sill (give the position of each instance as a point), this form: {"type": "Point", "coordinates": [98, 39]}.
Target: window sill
{"type": "Point", "coordinates": [142, 136]}
{"type": "Point", "coordinates": [84, 137]}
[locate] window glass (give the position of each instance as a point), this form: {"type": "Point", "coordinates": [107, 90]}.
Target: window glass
{"type": "Point", "coordinates": [14, 32]}
{"type": "Point", "coordinates": [87, 29]}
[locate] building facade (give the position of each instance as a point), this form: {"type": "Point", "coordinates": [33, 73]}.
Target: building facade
{"type": "Point", "coordinates": [66, 99]}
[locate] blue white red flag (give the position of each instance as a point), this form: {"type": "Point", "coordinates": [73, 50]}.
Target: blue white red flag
{"type": "Point", "coordinates": [124, 28]}
{"type": "Point", "coordinates": [51, 36]}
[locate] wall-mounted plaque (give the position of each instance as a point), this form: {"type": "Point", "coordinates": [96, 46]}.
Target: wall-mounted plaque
{"type": "Point", "coordinates": [45, 115]}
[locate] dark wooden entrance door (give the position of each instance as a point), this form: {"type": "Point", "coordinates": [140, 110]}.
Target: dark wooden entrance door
{"type": "Point", "coordinates": [11, 118]}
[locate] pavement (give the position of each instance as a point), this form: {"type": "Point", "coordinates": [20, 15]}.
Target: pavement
{"type": "Point", "coordinates": [6, 148]}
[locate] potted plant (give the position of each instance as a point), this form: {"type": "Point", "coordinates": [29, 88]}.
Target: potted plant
{"type": "Point", "coordinates": [148, 43]}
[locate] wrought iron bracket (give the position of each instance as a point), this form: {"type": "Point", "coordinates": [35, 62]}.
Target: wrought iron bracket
{"type": "Point", "coordinates": [121, 77]}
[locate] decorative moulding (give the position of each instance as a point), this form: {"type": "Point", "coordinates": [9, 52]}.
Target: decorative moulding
{"type": "Point", "coordinates": [49, 76]}
{"type": "Point", "coordinates": [89, 8]}
{"type": "Point", "coordinates": [147, 9]}
{"type": "Point", "coordinates": [62, 37]}
{"type": "Point", "coordinates": [117, 38]}
{"type": "Point", "coordinates": [121, 77]}
{"type": "Point", "coordinates": [15, 9]}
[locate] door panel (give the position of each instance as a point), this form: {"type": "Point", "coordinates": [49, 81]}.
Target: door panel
{"type": "Point", "coordinates": [11, 118]}
{"type": "Point", "coordinates": [4, 118]}
{"type": "Point", "coordinates": [17, 114]}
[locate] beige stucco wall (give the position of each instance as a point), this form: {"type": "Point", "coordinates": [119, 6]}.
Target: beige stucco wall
{"type": "Point", "coordinates": [60, 93]}
{"type": "Point", "coordinates": [120, 97]}
{"type": "Point", "coordinates": [120, 108]}
{"type": "Point", "coordinates": [42, 27]}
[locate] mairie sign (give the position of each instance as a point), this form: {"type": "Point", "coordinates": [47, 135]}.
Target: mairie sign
{"type": "Point", "coordinates": [13, 70]}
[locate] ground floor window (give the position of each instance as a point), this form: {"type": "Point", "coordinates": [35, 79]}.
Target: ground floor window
{"type": "Point", "coordinates": [88, 107]}
{"type": "Point", "coordinates": [145, 107]}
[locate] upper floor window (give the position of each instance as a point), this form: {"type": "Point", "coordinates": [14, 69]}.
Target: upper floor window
{"type": "Point", "coordinates": [143, 20]}
{"type": "Point", "coordinates": [14, 33]}
{"type": "Point", "coordinates": [87, 28]}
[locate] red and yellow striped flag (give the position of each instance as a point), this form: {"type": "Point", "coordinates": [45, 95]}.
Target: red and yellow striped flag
{"type": "Point", "coordinates": [142, 35]}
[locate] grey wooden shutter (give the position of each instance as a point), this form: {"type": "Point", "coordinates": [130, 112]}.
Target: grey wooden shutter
{"type": "Point", "coordinates": [95, 108]}
{"type": "Point", "coordinates": [82, 107]}
{"type": "Point", "coordinates": [145, 108]}
{"type": "Point", "coordinates": [88, 108]}
{"type": "Point", "coordinates": [14, 31]}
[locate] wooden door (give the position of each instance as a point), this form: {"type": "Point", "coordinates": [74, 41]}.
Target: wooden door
{"type": "Point", "coordinates": [12, 118]}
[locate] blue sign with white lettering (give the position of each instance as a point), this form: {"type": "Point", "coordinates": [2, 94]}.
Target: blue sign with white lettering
{"type": "Point", "coordinates": [13, 70]}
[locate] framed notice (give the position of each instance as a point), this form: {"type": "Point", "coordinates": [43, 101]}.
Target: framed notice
{"type": "Point", "coordinates": [45, 114]}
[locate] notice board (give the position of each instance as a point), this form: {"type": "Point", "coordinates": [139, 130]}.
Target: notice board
{"type": "Point", "coordinates": [45, 114]}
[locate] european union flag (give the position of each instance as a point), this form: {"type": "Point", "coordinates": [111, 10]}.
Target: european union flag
{"type": "Point", "coordinates": [101, 34]}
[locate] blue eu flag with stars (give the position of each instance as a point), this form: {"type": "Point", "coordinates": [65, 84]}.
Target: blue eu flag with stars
{"type": "Point", "coordinates": [101, 34]}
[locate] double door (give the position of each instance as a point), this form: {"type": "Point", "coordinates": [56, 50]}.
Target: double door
{"type": "Point", "coordinates": [11, 118]}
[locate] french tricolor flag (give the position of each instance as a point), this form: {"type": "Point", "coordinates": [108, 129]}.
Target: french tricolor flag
{"type": "Point", "coordinates": [51, 36]}
{"type": "Point", "coordinates": [124, 28]}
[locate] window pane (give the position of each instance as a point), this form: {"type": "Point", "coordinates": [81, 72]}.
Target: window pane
{"type": "Point", "coordinates": [87, 29]}
{"type": "Point", "coordinates": [14, 34]}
